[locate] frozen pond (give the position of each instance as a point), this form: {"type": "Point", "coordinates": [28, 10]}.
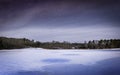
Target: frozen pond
{"type": "Point", "coordinates": [36, 61]}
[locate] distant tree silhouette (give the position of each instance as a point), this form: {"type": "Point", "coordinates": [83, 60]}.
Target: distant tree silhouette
{"type": "Point", "coordinates": [13, 43]}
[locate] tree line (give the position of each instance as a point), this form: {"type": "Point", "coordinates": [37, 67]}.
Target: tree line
{"type": "Point", "coordinates": [15, 43]}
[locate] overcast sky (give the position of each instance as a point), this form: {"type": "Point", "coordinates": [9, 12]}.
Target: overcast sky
{"type": "Point", "coordinates": [60, 20]}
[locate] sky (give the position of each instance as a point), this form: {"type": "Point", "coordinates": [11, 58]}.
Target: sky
{"type": "Point", "coordinates": [60, 20]}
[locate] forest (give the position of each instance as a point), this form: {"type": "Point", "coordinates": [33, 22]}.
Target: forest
{"type": "Point", "coordinates": [17, 43]}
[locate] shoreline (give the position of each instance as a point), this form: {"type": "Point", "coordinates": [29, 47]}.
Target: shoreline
{"type": "Point", "coordinates": [63, 49]}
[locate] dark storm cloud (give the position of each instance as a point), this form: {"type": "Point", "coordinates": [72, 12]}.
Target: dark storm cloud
{"type": "Point", "coordinates": [58, 13]}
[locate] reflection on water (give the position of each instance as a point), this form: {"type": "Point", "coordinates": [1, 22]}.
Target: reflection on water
{"type": "Point", "coordinates": [70, 54]}
{"type": "Point", "coordinates": [63, 62]}
{"type": "Point", "coordinates": [30, 73]}
{"type": "Point", "coordinates": [55, 60]}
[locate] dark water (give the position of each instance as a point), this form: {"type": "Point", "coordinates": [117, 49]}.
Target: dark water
{"type": "Point", "coordinates": [64, 62]}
